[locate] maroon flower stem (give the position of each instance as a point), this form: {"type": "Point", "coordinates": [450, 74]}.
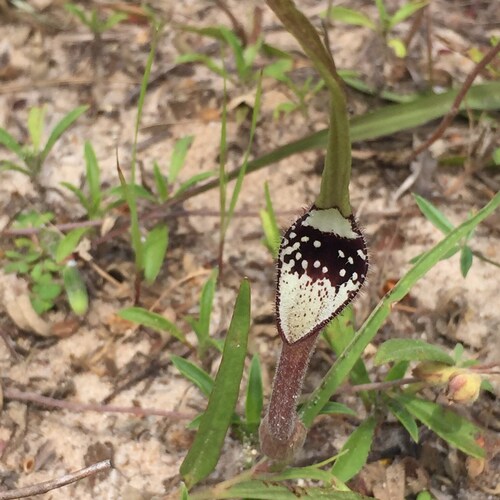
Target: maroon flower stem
{"type": "Point", "coordinates": [281, 432]}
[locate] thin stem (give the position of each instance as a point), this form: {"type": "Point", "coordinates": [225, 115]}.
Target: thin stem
{"type": "Point", "coordinates": [39, 489]}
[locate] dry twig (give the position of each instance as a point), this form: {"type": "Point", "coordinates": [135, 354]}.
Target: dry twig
{"type": "Point", "coordinates": [39, 489]}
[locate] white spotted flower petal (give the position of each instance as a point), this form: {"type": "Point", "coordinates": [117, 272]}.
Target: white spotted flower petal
{"type": "Point", "coordinates": [322, 264]}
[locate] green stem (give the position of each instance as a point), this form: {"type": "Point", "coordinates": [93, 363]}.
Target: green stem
{"type": "Point", "coordinates": [337, 171]}
{"type": "Point", "coordinates": [334, 191]}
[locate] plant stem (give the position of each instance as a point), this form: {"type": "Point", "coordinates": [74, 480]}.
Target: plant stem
{"type": "Point", "coordinates": [281, 432]}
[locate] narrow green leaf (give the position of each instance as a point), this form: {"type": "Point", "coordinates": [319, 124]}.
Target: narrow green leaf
{"type": "Point", "coordinates": [448, 425]}
{"type": "Point", "coordinates": [113, 20]}
{"type": "Point", "coordinates": [181, 149]}
{"type": "Point", "coordinates": [255, 398]}
{"type": "Point", "coordinates": [269, 225]}
{"type": "Point", "coordinates": [355, 451]}
{"type": "Point", "coordinates": [60, 128]}
{"type": "Point", "coordinates": [202, 58]}
{"type": "Point", "coordinates": [155, 248]}
{"type": "Point", "coordinates": [202, 176]}
{"type": "Point", "coordinates": [195, 374]}
{"type": "Point", "coordinates": [160, 183]}
{"type": "Point", "coordinates": [204, 453]}
{"type": "Point", "coordinates": [433, 214]}
{"type": "Point", "coordinates": [79, 13]}
{"type": "Point", "coordinates": [405, 12]}
{"type": "Point", "coordinates": [10, 143]}
{"type": "Point", "coordinates": [35, 125]}
{"type": "Point", "coordinates": [267, 490]}
{"type": "Point", "coordinates": [151, 320]}
{"type": "Point", "coordinates": [93, 180]}
{"type": "Point", "coordinates": [202, 325]}
{"type": "Point", "coordinates": [343, 365]}
{"type": "Point", "coordinates": [334, 408]}
{"type": "Point", "coordinates": [69, 242]}
{"type": "Point", "coordinates": [6, 165]}
{"type": "Point", "coordinates": [350, 16]}
{"type": "Point", "coordinates": [184, 492]}
{"type": "Point", "coordinates": [410, 350]}
{"type": "Point", "coordinates": [466, 258]}
{"type": "Point", "coordinates": [47, 291]}
{"type": "Point", "coordinates": [78, 193]}
{"type": "Point", "coordinates": [404, 416]}
{"type": "Point", "coordinates": [75, 288]}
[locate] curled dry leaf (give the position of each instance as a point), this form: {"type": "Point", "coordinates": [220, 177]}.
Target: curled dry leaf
{"type": "Point", "coordinates": [14, 297]}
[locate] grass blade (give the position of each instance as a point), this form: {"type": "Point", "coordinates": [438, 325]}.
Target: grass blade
{"type": "Point", "coordinates": [204, 453]}
{"type": "Point", "coordinates": [181, 149]}
{"type": "Point", "coordinates": [93, 180]}
{"type": "Point", "coordinates": [343, 365]}
{"type": "Point", "coordinates": [10, 143]}
{"type": "Point", "coordinates": [60, 128]}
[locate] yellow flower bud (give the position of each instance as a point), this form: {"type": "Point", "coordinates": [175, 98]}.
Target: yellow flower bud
{"type": "Point", "coordinates": [464, 387]}
{"type": "Point", "coordinates": [433, 372]}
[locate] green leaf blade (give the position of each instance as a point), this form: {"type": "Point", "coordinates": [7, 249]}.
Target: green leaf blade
{"type": "Point", "coordinates": [355, 450]}
{"type": "Point", "coordinates": [60, 128]}
{"type": "Point", "coordinates": [254, 398]}
{"type": "Point", "coordinates": [447, 424]}
{"type": "Point", "coordinates": [69, 242]}
{"type": "Point", "coordinates": [195, 374]}
{"type": "Point", "coordinates": [410, 350]}
{"type": "Point", "coordinates": [433, 214]}
{"type": "Point", "coordinates": [151, 320]}
{"type": "Point", "coordinates": [155, 248]}
{"type": "Point", "coordinates": [204, 453]}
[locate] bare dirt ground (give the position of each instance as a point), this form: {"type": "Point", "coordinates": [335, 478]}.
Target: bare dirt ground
{"type": "Point", "coordinates": [47, 58]}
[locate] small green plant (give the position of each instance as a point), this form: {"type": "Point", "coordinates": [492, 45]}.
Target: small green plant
{"type": "Point", "coordinates": [386, 22]}
{"type": "Point", "coordinates": [44, 263]}
{"type": "Point", "coordinates": [93, 20]}
{"type": "Point", "coordinates": [270, 227]}
{"type": "Point", "coordinates": [34, 154]}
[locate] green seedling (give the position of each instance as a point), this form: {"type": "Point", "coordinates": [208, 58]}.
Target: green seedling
{"type": "Point", "coordinates": [201, 326]}
{"type": "Point", "coordinates": [149, 250]}
{"type": "Point", "coordinates": [92, 200]}
{"type": "Point", "coordinates": [93, 20]}
{"type": "Point", "coordinates": [33, 155]}
{"type": "Point", "coordinates": [385, 24]}
{"type": "Point", "coordinates": [42, 262]}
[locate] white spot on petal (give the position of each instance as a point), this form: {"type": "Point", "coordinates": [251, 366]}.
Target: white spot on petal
{"type": "Point", "coordinates": [317, 244]}
{"type": "Point", "coordinates": [342, 273]}
{"type": "Point", "coordinates": [298, 255]}
{"type": "Point", "coordinates": [350, 260]}
{"type": "Point", "coordinates": [354, 276]}
{"type": "Point", "coordinates": [305, 239]}
{"type": "Point", "coordinates": [317, 263]}
{"type": "Point", "coordinates": [292, 235]}
{"type": "Point", "coordinates": [304, 264]}
{"type": "Point", "coordinates": [341, 253]}
{"type": "Point", "coordinates": [324, 269]}
{"type": "Point", "coordinates": [362, 254]}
